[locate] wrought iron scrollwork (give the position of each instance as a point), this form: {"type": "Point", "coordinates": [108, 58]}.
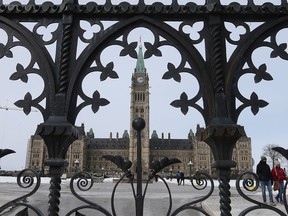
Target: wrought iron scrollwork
{"type": "Point", "coordinates": [25, 179]}
{"type": "Point", "coordinates": [155, 167]}
{"type": "Point", "coordinates": [250, 41]}
{"type": "Point", "coordinates": [199, 181]}
{"type": "Point", "coordinates": [249, 182]}
{"type": "Point", "coordinates": [84, 183]}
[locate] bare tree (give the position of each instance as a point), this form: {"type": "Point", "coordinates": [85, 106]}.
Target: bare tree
{"type": "Point", "coordinates": [270, 153]}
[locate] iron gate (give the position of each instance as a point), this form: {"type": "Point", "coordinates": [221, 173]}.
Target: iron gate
{"type": "Point", "coordinates": [216, 74]}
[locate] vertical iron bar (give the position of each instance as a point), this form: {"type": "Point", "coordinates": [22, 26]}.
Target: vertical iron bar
{"type": "Point", "coordinates": [139, 197]}
{"type": "Point", "coordinates": [139, 124]}
{"type": "Point", "coordinates": [56, 170]}
{"type": "Point", "coordinates": [223, 174]}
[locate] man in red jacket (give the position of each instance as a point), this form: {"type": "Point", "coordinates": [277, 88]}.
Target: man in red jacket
{"type": "Point", "coordinates": [279, 175]}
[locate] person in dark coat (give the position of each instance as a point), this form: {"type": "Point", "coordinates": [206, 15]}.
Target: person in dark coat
{"type": "Point", "coordinates": [178, 177]}
{"type": "Point", "coordinates": [265, 177]}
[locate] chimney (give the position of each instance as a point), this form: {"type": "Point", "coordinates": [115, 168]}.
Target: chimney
{"type": "Point", "coordinates": [110, 135]}
{"type": "Point", "coordinates": [168, 136]}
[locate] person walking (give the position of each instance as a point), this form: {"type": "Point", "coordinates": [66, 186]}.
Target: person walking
{"type": "Point", "coordinates": [279, 176]}
{"type": "Point", "coordinates": [182, 178]}
{"type": "Point", "coordinates": [178, 177]}
{"type": "Point", "coordinates": [265, 177]}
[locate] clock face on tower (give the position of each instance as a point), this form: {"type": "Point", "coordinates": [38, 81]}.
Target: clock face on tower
{"type": "Point", "coordinates": [140, 79]}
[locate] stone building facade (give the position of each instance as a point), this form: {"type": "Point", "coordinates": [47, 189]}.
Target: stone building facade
{"type": "Point", "coordinates": [87, 152]}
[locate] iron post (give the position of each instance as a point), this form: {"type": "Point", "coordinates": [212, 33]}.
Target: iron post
{"type": "Point", "coordinates": [222, 136]}
{"type": "Point", "coordinates": [139, 124]}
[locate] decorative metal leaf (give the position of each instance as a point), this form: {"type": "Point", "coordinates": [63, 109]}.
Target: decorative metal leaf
{"type": "Point", "coordinates": [183, 103]}
{"type": "Point", "coordinates": [25, 104]}
{"type": "Point", "coordinates": [256, 103]}
{"type": "Point", "coordinates": [19, 74]}
{"type": "Point", "coordinates": [9, 54]}
{"type": "Point", "coordinates": [129, 50]}
{"type": "Point", "coordinates": [176, 103]}
{"type": "Point", "coordinates": [108, 72]}
{"type": "Point", "coordinates": [97, 101]}
{"type": "Point", "coordinates": [4, 152]}
{"type": "Point", "coordinates": [4, 52]}
{"type": "Point", "coordinates": [157, 166]}
{"type": "Point", "coordinates": [151, 50]}
{"type": "Point", "coordinates": [172, 73]}
{"type": "Point", "coordinates": [119, 161]}
{"type": "Point", "coordinates": [262, 74]}
{"type": "Point", "coordinates": [257, 79]}
{"type": "Point", "coordinates": [280, 51]}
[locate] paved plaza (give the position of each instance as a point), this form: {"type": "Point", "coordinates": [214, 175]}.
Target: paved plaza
{"type": "Point", "coordinates": [155, 204]}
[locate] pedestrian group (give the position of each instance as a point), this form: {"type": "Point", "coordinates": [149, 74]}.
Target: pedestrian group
{"type": "Point", "coordinates": [269, 178]}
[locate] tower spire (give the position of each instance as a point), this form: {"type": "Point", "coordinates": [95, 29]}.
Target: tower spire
{"type": "Point", "coordinates": [140, 66]}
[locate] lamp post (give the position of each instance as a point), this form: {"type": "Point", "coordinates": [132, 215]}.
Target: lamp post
{"type": "Point", "coordinates": [102, 169]}
{"type": "Point", "coordinates": [171, 174]}
{"type": "Point", "coordinates": [76, 164]}
{"type": "Point", "coordinates": [190, 166]}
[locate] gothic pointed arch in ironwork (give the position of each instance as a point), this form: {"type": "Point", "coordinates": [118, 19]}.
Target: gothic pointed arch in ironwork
{"type": "Point", "coordinates": [217, 73]}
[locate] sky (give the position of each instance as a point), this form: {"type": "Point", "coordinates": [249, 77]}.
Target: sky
{"type": "Point", "coordinates": [267, 127]}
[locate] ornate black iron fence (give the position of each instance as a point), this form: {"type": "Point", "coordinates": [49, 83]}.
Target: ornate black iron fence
{"type": "Point", "coordinates": [83, 181]}
{"type": "Point", "coordinates": [216, 73]}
